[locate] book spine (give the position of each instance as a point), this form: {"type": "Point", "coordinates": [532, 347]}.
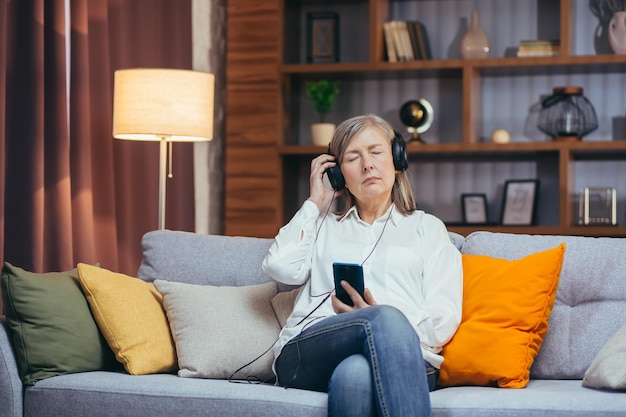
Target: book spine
{"type": "Point", "coordinates": [389, 42]}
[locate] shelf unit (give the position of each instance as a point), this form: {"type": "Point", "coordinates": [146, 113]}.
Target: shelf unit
{"type": "Point", "coordinates": [462, 92]}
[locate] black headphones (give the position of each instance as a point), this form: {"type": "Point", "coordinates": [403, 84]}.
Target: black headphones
{"type": "Point", "coordinates": [400, 162]}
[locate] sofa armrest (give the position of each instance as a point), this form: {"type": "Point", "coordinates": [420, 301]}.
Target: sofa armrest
{"type": "Point", "coordinates": [11, 389]}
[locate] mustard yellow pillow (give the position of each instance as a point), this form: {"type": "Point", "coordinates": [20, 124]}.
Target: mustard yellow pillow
{"type": "Point", "coordinates": [130, 315]}
{"type": "Point", "coordinates": [506, 305]}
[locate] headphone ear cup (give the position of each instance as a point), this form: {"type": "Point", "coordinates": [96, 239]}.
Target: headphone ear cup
{"type": "Point", "coordinates": [336, 178]}
{"type": "Point", "coordinates": [398, 150]}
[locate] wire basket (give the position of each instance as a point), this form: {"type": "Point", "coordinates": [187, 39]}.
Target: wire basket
{"type": "Point", "coordinates": [567, 115]}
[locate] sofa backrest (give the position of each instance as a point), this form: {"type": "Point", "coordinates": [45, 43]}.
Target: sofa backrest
{"type": "Point", "coordinates": [203, 259]}
{"type": "Point", "coordinates": [590, 304]}
{"type": "Point", "coordinates": [210, 259]}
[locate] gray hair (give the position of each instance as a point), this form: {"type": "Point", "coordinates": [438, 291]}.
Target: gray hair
{"type": "Point", "coordinates": [402, 192]}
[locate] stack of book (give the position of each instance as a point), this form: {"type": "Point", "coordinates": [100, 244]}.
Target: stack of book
{"type": "Point", "coordinates": [538, 48]}
{"type": "Point", "coordinates": [406, 41]}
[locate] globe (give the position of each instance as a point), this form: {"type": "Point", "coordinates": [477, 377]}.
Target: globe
{"type": "Point", "coordinates": [417, 116]}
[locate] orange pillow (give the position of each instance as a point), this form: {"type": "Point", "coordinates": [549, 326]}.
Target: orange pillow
{"type": "Point", "coordinates": [506, 305]}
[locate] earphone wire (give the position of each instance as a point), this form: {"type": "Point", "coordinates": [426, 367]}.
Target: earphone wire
{"type": "Point", "coordinates": [325, 215]}
{"type": "Point", "coordinates": [251, 379]}
{"type": "Point", "coordinates": [295, 374]}
{"type": "Point", "coordinates": [379, 237]}
{"type": "Point", "coordinates": [327, 294]}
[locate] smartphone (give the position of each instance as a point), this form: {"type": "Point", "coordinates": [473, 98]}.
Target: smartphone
{"type": "Point", "coordinates": [353, 275]}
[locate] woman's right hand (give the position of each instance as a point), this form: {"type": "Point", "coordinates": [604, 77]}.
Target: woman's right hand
{"type": "Point", "coordinates": [366, 301]}
{"type": "Point", "coordinates": [320, 195]}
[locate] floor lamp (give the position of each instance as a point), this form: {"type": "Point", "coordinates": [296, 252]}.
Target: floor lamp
{"type": "Point", "coordinates": [163, 105]}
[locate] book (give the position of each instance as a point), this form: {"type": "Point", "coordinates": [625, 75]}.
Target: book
{"type": "Point", "coordinates": [397, 41]}
{"type": "Point", "coordinates": [389, 42]}
{"type": "Point", "coordinates": [529, 48]}
{"type": "Point", "coordinates": [400, 38]}
{"type": "Point", "coordinates": [422, 37]}
{"type": "Point", "coordinates": [417, 52]}
{"type": "Point", "coordinates": [406, 41]}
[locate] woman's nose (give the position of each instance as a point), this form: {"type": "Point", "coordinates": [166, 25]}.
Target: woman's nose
{"type": "Point", "coordinates": [368, 164]}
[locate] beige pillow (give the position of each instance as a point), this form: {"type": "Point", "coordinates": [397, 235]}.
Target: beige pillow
{"type": "Point", "coordinates": [130, 315]}
{"type": "Point", "coordinates": [608, 369]}
{"type": "Point", "coordinates": [283, 304]}
{"type": "Point", "coordinates": [218, 330]}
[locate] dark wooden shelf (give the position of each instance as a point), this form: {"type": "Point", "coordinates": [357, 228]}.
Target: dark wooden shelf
{"type": "Point", "coordinates": [487, 66]}
{"type": "Point", "coordinates": [595, 231]}
{"type": "Point", "coordinates": [577, 148]}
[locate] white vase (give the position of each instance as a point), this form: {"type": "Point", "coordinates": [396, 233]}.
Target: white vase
{"type": "Point", "coordinates": [475, 43]}
{"type": "Point", "coordinates": [322, 133]}
{"type": "Point", "coordinates": [617, 32]}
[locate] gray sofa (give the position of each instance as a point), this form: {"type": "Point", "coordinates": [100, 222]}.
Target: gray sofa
{"type": "Point", "coordinates": [590, 307]}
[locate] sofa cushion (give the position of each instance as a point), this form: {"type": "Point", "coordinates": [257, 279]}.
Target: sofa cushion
{"type": "Point", "coordinates": [506, 305]}
{"type": "Point", "coordinates": [218, 330]}
{"type": "Point", "coordinates": [109, 394]}
{"type": "Point", "coordinates": [540, 398]}
{"type": "Point", "coordinates": [52, 329]}
{"type": "Point", "coordinates": [608, 369]}
{"type": "Point", "coordinates": [590, 300]}
{"type": "Point", "coordinates": [130, 314]}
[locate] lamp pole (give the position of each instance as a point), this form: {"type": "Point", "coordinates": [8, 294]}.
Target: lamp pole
{"type": "Point", "coordinates": [162, 180]}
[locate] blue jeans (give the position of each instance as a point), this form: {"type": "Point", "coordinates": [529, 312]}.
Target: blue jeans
{"type": "Point", "coordinates": [368, 360]}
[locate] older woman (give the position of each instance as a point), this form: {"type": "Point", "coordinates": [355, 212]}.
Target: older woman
{"type": "Point", "coordinates": [379, 356]}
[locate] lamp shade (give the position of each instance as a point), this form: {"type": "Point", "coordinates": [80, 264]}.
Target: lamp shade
{"type": "Point", "coordinates": [152, 104]}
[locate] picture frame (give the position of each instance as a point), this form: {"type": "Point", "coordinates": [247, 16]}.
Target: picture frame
{"type": "Point", "coordinates": [474, 208]}
{"type": "Point", "coordinates": [519, 202]}
{"type": "Point", "coordinates": [322, 41]}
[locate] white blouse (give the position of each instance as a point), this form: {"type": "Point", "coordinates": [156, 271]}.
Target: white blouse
{"type": "Point", "coordinates": [413, 267]}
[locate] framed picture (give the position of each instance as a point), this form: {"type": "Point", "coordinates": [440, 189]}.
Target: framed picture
{"type": "Point", "coordinates": [474, 208]}
{"type": "Point", "coordinates": [322, 42]}
{"type": "Point", "coordinates": [519, 202]}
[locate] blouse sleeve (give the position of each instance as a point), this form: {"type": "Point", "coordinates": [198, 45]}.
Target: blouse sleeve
{"type": "Point", "coordinates": [442, 291]}
{"type": "Point", "coordinates": [289, 258]}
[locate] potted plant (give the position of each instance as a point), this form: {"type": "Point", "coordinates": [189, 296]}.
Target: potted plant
{"type": "Point", "coordinates": [322, 94]}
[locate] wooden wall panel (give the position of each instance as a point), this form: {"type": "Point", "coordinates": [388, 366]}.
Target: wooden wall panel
{"type": "Point", "coordinates": [253, 181]}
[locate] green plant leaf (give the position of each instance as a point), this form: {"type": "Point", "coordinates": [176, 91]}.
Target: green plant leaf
{"type": "Point", "coordinates": [322, 94]}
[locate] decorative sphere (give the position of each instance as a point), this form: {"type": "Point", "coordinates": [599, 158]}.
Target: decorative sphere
{"type": "Point", "coordinates": [413, 113]}
{"type": "Point", "coordinates": [500, 136]}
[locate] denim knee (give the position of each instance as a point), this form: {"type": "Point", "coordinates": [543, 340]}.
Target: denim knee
{"type": "Point", "coordinates": [392, 321]}
{"type": "Point", "coordinates": [350, 389]}
{"type": "Point", "coordinates": [389, 314]}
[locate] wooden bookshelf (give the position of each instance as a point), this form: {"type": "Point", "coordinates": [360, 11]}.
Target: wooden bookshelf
{"type": "Point", "coordinates": [268, 153]}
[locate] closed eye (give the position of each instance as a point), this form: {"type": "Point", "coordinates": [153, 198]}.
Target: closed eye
{"type": "Point", "coordinates": [351, 156]}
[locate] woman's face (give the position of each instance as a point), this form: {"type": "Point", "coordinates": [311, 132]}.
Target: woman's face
{"type": "Point", "coordinates": [367, 166]}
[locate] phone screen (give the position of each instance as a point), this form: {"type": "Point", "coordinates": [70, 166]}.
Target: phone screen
{"type": "Point", "coordinates": [353, 275]}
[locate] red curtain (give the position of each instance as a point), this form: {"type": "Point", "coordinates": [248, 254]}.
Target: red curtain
{"type": "Point", "coordinates": [69, 192]}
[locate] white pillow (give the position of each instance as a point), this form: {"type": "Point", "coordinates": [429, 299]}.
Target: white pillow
{"type": "Point", "coordinates": [217, 330]}
{"type": "Point", "coordinates": [608, 369]}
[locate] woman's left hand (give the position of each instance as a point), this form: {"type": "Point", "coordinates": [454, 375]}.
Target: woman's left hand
{"type": "Point", "coordinates": [358, 301]}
